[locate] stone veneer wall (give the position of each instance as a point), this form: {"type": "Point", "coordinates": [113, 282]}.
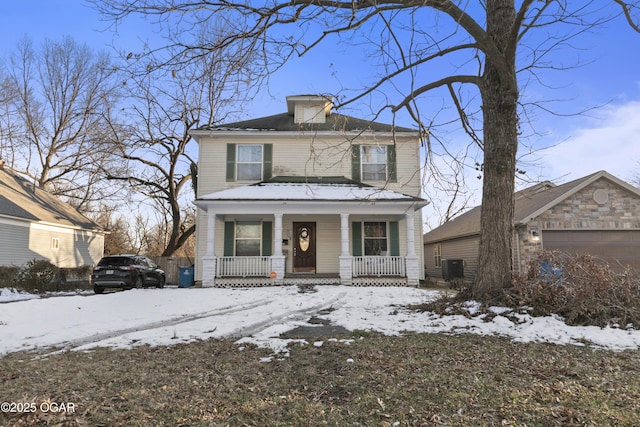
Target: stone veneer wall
{"type": "Point", "coordinates": [581, 211]}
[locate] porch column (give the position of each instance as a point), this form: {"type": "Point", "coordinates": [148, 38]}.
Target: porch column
{"type": "Point", "coordinates": [277, 234]}
{"type": "Point", "coordinates": [209, 260]}
{"type": "Point", "coordinates": [411, 242]}
{"type": "Point", "coordinates": [277, 259]}
{"type": "Point", "coordinates": [411, 260]}
{"type": "Point", "coordinates": [346, 260]}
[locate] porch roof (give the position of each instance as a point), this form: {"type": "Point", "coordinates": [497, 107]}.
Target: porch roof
{"type": "Point", "coordinates": [328, 192]}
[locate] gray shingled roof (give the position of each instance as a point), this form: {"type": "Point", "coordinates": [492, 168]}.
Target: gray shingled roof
{"type": "Point", "coordinates": [284, 122]}
{"type": "Point", "coordinates": [21, 199]}
{"type": "Point", "coordinates": [529, 203]}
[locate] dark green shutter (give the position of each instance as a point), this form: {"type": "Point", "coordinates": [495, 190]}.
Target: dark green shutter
{"type": "Point", "coordinates": [355, 162]}
{"type": "Point", "coordinates": [229, 237]}
{"type": "Point", "coordinates": [267, 238]}
{"type": "Point", "coordinates": [267, 161]}
{"type": "Point", "coordinates": [356, 238]}
{"type": "Point", "coordinates": [391, 163]}
{"type": "Point", "coordinates": [231, 162]}
{"type": "Point", "coordinates": [394, 239]}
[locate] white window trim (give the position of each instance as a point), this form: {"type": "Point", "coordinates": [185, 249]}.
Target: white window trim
{"type": "Point", "coordinates": [236, 238]}
{"type": "Point", "coordinates": [363, 162]}
{"type": "Point", "coordinates": [55, 243]}
{"type": "Point", "coordinates": [238, 162]}
{"type": "Point", "coordinates": [387, 237]}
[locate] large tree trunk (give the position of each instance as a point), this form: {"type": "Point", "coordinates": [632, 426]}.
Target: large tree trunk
{"type": "Point", "coordinates": [499, 98]}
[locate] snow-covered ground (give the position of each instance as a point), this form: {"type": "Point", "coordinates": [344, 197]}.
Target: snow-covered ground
{"type": "Point", "coordinates": [259, 315]}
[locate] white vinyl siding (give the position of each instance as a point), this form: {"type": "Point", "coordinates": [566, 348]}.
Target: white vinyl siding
{"type": "Point", "coordinates": [308, 113]}
{"type": "Point", "coordinates": [300, 154]}
{"type": "Point", "coordinates": [23, 242]}
{"type": "Point", "coordinates": [327, 241]}
{"type": "Point", "coordinates": [327, 238]}
{"type": "Point", "coordinates": [306, 156]}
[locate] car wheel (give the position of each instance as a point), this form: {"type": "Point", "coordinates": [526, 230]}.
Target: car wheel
{"type": "Point", "coordinates": [97, 289]}
{"type": "Point", "coordinates": [160, 283]}
{"type": "Point", "coordinates": [139, 282]}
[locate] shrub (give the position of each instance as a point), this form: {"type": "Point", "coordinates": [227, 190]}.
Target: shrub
{"type": "Point", "coordinates": [580, 288]}
{"type": "Point", "coordinates": [39, 276]}
{"type": "Point", "coordinates": [8, 275]}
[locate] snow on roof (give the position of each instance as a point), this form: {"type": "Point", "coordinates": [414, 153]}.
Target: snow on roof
{"type": "Point", "coordinates": [307, 191]}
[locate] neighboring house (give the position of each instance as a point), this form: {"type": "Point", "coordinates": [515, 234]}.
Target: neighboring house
{"type": "Point", "coordinates": [308, 196]}
{"type": "Point", "coordinates": [598, 214]}
{"type": "Point", "coordinates": [37, 225]}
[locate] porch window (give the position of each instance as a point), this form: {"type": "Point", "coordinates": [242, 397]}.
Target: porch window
{"type": "Point", "coordinates": [437, 254]}
{"type": "Point", "coordinates": [375, 238]}
{"type": "Point", "coordinates": [374, 163]}
{"type": "Point", "coordinates": [248, 238]}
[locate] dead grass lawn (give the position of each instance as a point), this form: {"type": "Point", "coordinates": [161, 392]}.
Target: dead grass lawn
{"type": "Point", "coordinates": [414, 380]}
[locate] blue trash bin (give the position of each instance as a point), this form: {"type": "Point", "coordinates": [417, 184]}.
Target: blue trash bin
{"type": "Point", "coordinates": [186, 277]}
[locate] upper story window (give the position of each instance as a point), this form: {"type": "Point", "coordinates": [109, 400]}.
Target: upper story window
{"type": "Point", "coordinates": [249, 162]}
{"type": "Point", "coordinates": [55, 243]}
{"type": "Point", "coordinates": [374, 163]}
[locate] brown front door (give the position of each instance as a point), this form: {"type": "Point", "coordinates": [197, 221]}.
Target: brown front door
{"type": "Point", "coordinates": [304, 247]}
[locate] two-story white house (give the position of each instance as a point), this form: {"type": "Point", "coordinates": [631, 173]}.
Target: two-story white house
{"type": "Point", "coordinates": [308, 196]}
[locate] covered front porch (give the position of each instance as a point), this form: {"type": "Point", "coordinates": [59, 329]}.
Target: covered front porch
{"type": "Point", "coordinates": [271, 237]}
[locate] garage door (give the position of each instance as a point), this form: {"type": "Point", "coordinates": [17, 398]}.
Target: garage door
{"type": "Point", "coordinates": [613, 246]}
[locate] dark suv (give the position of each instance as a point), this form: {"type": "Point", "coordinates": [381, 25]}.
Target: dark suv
{"type": "Point", "coordinates": [126, 272]}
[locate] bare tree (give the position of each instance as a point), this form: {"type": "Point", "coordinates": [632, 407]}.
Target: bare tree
{"type": "Point", "coordinates": [54, 122]}
{"type": "Point", "coordinates": [484, 44]}
{"type": "Point", "coordinates": [164, 105]}
{"type": "Point", "coordinates": [118, 239]}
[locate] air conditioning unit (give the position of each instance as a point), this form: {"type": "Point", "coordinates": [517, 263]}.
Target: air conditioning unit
{"type": "Point", "coordinates": [452, 269]}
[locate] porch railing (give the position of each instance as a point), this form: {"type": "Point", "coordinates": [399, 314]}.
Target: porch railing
{"type": "Point", "coordinates": [243, 266]}
{"type": "Point", "coordinates": [378, 266]}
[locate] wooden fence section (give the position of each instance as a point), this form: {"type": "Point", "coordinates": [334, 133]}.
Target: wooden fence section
{"type": "Point", "coordinates": [171, 267]}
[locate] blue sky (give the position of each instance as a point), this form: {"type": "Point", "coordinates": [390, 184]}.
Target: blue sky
{"type": "Point", "coordinates": [607, 138]}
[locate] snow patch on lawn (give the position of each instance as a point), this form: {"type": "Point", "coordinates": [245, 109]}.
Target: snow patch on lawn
{"type": "Point", "coordinates": [261, 316]}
